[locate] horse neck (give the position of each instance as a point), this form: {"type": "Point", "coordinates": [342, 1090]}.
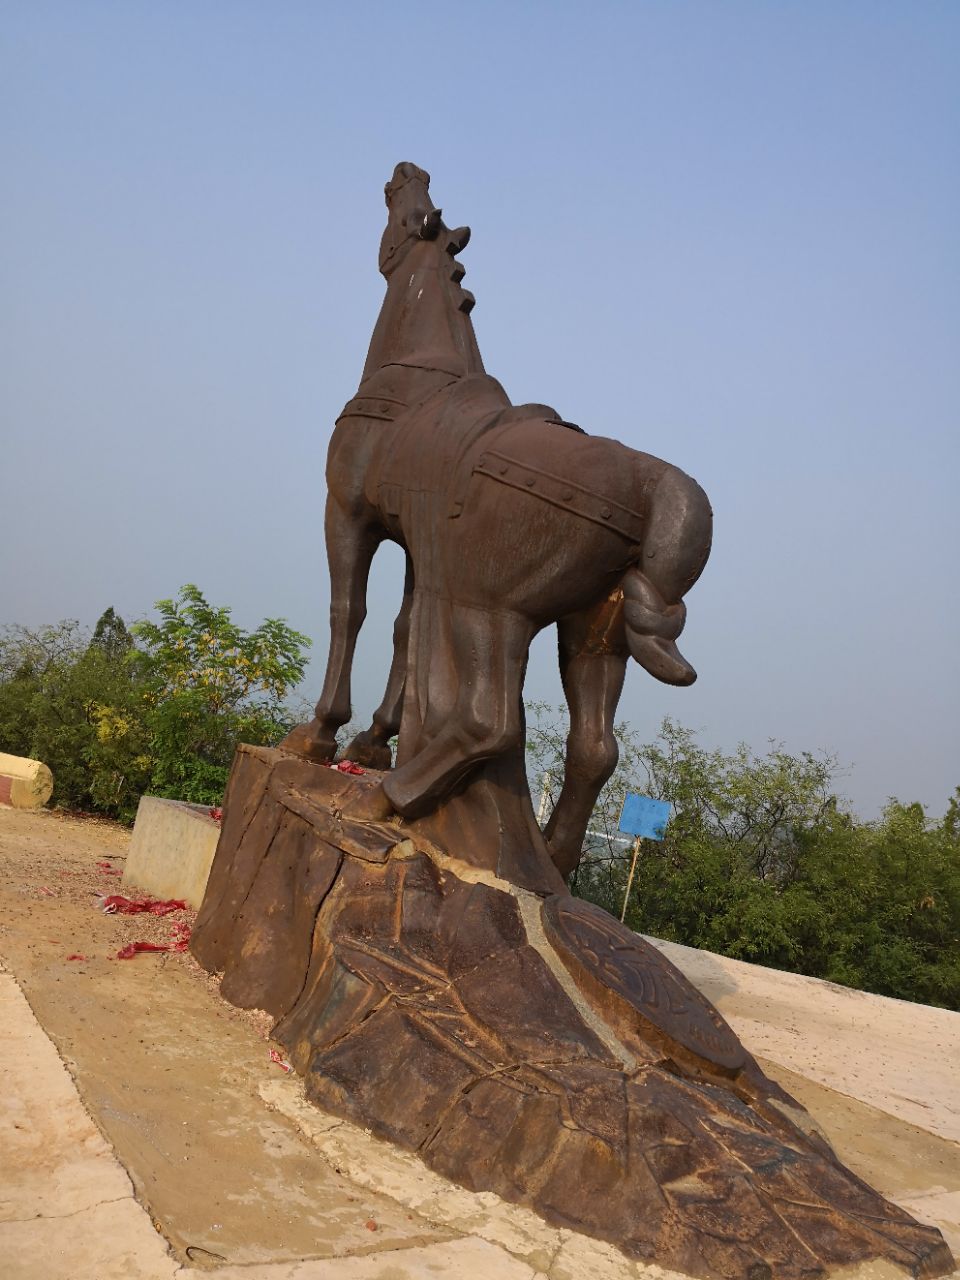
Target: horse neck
{"type": "Point", "coordinates": [421, 329]}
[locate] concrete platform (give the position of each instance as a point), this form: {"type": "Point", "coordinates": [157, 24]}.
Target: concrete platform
{"type": "Point", "coordinates": [172, 849]}
{"type": "Point", "coordinates": [146, 1134]}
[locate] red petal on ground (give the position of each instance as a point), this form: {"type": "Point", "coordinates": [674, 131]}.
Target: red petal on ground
{"type": "Point", "coordinates": [134, 948]}
{"type": "Point", "coordinates": [116, 902]}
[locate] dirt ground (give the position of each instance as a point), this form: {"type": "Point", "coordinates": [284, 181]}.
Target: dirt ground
{"type": "Point", "coordinates": [170, 1073]}
{"type": "Point", "coordinates": [167, 1070]}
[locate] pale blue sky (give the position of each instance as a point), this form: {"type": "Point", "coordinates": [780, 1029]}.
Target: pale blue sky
{"type": "Point", "coordinates": [726, 233]}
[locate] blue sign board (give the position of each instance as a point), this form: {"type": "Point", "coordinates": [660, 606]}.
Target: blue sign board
{"type": "Point", "coordinates": [643, 816]}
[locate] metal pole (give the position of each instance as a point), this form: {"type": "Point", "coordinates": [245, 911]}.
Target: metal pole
{"type": "Point", "coordinates": [633, 867]}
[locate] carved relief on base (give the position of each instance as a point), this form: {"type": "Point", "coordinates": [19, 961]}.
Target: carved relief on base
{"type": "Point", "coordinates": [523, 1045]}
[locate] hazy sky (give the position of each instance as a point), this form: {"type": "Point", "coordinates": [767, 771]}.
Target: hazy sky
{"type": "Point", "coordinates": [725, 233]}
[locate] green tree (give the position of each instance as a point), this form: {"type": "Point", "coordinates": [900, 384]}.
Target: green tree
{"type": "Point", "coordinates": [208, 685]}
{"type": "Point", "coordinates": [158, 707]}
{"type": "Point", "coordinates": [111, 634]}
{"type": "Point", "coordinates": [73, 702]}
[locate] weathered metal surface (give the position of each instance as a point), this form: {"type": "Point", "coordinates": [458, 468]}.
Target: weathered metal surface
{"type": "Point", "coordinates": [562, 492]}
{"type": "Point", "coordinates": [527, 1047]}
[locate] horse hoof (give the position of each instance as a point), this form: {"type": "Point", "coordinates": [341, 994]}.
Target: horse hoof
{"type": "Point", "coordinates": [310, 742]}
{"type": "Point", "coordinates": [365, 750]}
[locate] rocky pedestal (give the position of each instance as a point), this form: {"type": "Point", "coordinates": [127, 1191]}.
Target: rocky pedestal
{"type": "Point", "coordinates": [521, 1043]}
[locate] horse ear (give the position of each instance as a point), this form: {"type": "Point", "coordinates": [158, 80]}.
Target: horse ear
{"type": "Point", "coordinates": [430, 227]}
{"type": "Point", "coordinates": [459, 239]}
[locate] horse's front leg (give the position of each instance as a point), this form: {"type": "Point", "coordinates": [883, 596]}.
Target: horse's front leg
{"type": "Point", "coordinates": [351, 542]}
{"type": "Point", "coordinates": [593, 659]}
{"type": "Point", "coordinates": [372, 746]}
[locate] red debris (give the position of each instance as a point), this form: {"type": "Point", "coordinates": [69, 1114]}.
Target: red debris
{"type": "Point", "coordinates": [117, 903]}
{"type": "Point", "coordinates": [216, 813]}
{"type": "Point", "coordinates": [180, 938]}
{"type": "Point", "coordinates": [179, 941]}
{"type": "Point", "coordinates": [47, 892]}
{"type": "Point", "coordinates": [347, 766]}
{"type": "Point", "coordinates": [134, 948]}
{"type": "Point", "coordinates": [76, 956]}
{"type": "Point", "coordinates": [275, 1057]}
{"type": "Point", "coordinates": [109, 870]}
{"type": "Point", "coordinates": [371, 1225]}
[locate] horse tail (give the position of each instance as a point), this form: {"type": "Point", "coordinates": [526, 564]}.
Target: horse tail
{"type": "Point", "coordinates": [675, 547]}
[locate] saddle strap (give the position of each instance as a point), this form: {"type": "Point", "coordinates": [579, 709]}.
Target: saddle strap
{"type": "Point", "coordinates": [494, 427]}
{"type": "Point", "coordinates": [383, 407]}
{"type": "Point", "coordinates": [562, 492]}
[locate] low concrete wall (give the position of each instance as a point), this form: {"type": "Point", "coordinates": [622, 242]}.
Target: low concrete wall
{"type": "Point", "coordinates": [172, 849]}
{"type": "Point", "coordinates": [899, 1057]}
{"type": "Point", "coordinates": [24, 784]}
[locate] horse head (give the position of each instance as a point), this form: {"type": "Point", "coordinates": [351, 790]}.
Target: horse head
{"type": "Point", "coordinates": [413, 218]}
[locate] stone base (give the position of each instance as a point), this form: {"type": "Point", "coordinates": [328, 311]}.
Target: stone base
{"type": "Point", "coordinates": [523, 1044]}
{"type": "Point", "coordinates": [172, 849]}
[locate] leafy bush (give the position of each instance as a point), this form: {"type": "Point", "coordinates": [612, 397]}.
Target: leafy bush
{"type": "Point", "coordinates": [209, 685]}
{"type": "Point", "coordinates": [158, 708]}
{"type": "Point", "coordinates": [71, 701]}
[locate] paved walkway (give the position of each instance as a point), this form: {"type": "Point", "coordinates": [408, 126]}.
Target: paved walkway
{"type": "Point", "coordinates": [67, 1208]}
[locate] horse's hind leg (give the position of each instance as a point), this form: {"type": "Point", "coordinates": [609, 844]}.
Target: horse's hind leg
{"type": "Point", "coordinates": [488, 653]}
{"type": "Point", "coordinates": [371, 746]}
{"type": "Point", "coordinates": [351, 543]}
{"type": "Point", "coordinates": [593, 659]}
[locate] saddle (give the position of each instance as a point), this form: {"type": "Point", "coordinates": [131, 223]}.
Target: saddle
{"type": "Point", "coordinates": [439, 435]}
{"type": "Point", "coordinates": [435, 445]}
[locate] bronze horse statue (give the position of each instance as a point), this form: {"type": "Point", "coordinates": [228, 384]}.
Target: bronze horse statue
{"type": "Point", "coordinates": [410, 932]}
{"type": "Point", "coordinates": [511, 520]}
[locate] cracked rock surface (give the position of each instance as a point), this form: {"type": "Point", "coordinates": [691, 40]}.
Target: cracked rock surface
{"type": "Point", "coordinates": [521, 1044]}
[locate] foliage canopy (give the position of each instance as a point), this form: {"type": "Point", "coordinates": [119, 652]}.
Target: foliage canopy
{"type": "Point", "coordinates": [159, 707]}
